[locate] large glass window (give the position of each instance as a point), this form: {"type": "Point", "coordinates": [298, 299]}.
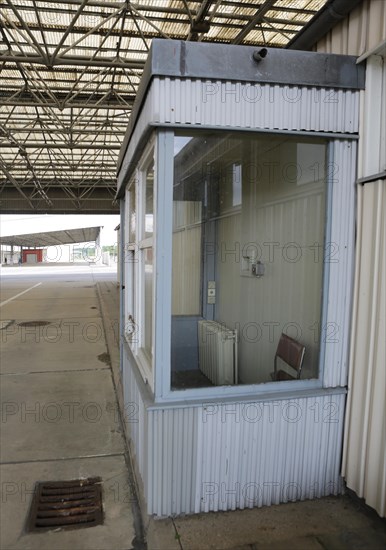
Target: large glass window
{"type": "Point", "coordinates": [248, 243]}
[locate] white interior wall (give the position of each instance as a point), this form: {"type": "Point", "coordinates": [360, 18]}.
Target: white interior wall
{"type": "Point", "coordinates": [186, 296]}
{"type": "Point", "coordinates": [283, 222]}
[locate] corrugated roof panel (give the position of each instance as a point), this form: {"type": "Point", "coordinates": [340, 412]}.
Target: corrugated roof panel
{"type": "Point", "coordinates": [84, 95]}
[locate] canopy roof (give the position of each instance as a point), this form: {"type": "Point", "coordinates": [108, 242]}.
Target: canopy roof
{"type": "Point", "coordinates": [69, 75]}
{"type": "Point", "coordinates": [53, 238]}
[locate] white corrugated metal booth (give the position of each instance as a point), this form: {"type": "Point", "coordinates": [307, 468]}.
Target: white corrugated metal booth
{"type": "Point", "coordinates": [237, 187]}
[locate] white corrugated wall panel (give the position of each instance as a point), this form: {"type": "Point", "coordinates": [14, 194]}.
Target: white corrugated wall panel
{"type": "Point", "coordinates": [172, 461]}
{"type": "Point", "coordinates": [147, 116]}
{"type": "Point", "coordinates": [364, 463]}
{"type": "Point", "coordinates": [135, 417]}
{"type": "Point", "coordinates": [372, 148]}
{"type": "Point", "coordinates": [339, 254]}
{"type": "Point", "coordinates": [259, 106]}
{"type": "Point", "coordinates": [361, 31]}
{"type": "Point", "coordinates": [243, 455]}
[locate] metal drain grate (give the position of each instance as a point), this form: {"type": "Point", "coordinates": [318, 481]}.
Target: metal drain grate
{"type": "Point", "coordinates": [66, 505]}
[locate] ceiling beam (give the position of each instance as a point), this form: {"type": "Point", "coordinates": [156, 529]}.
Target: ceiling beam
{"type": "Point", "coordinates": [257, 18]}
{"type": "Point", "coordinates": [57, 100]}
{"type": "Point", "coordinates": [57, 183]}
{"type": "Point", "coordinates": [72, 170]}
{"type": "Point", "coordinates": [227, 21]}
{"type": "Point", "coordinates": [63, 145]}
{"type": "Point", "coordinates": [74, 132]}
{"type": "Point", "coordinates": [75, 60]}
{"type": "Point", "coordinates": [15, 184]}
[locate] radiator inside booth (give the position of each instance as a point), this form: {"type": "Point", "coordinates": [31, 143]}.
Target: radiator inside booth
{"type": "Point", "coordinates": [217, 349]}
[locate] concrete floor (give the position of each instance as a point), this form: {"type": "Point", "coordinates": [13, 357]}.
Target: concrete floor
{"type": "Point", "coordinates": [59, 409]}
{"type": "Point", "coordinates": [59, 421]}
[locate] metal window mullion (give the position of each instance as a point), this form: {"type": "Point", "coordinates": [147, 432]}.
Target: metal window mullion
{"type": "Point", "coordinates": [163, 254]}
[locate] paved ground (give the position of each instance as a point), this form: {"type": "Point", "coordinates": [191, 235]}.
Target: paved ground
{"type": "Point", "coordinates": [59, 410]}
{"type": "Point", "coordinates": [59, 421]}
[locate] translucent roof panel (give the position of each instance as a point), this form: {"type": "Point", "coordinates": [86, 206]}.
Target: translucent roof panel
{"type": "Point", "coordinates": [69, 74]}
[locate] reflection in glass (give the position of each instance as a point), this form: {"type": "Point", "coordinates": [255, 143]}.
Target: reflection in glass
{"type": "Point", "coordinates": [149, 201]}
{"type": "Point", "coordinates": [248, 243]}
{"type": "Point", "coordinates": [132, 215]}
{"type": "Point", "coordinates": [148, 301]}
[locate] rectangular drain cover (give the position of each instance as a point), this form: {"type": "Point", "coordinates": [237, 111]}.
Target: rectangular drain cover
{"type": "Point", "coordinates": [66, 505]}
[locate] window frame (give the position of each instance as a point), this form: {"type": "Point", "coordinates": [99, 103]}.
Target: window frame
{"type": "Point", "coordinates": [160, 381]}
{"type": "Point", "coordinates": [129, 259]}
{"type": "Point", "coordinates": [268, 390]}
{"type": "Point", "coordinates": [134, 329]}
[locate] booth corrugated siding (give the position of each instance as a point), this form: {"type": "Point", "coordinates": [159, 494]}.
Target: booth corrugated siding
{"type": "Point", "coordinates": [296, 445]}
{"type": "Point", "coordinates": [340, 256]}
{"type": "Point", "coordinates": [289, 107]}
{"type": "Point", "coordinates": [241, 106]}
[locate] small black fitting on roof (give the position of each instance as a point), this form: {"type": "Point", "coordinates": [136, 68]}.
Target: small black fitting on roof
{"type": "Point", "coordinates": [259, 55]}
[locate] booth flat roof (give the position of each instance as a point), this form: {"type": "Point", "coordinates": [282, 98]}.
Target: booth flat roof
{"type": "Point", "coordinates": [196, 60]}
{"type": "Point", "coordinates": [229, 62]}
{"type": "Point", "coordinates": [53, 238]}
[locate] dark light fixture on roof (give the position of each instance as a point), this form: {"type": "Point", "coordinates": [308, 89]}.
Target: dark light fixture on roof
{"type": "Point", "coordinates": [200, 27]}
{"type": "Point", "coordinates": [259, 55]}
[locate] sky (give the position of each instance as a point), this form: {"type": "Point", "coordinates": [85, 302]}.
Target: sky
{"type": "Point", "coordinates": [19, 224]}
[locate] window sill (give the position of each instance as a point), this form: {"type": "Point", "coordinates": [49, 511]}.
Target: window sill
{"type": "Point", "coordinates": [182, 401]}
